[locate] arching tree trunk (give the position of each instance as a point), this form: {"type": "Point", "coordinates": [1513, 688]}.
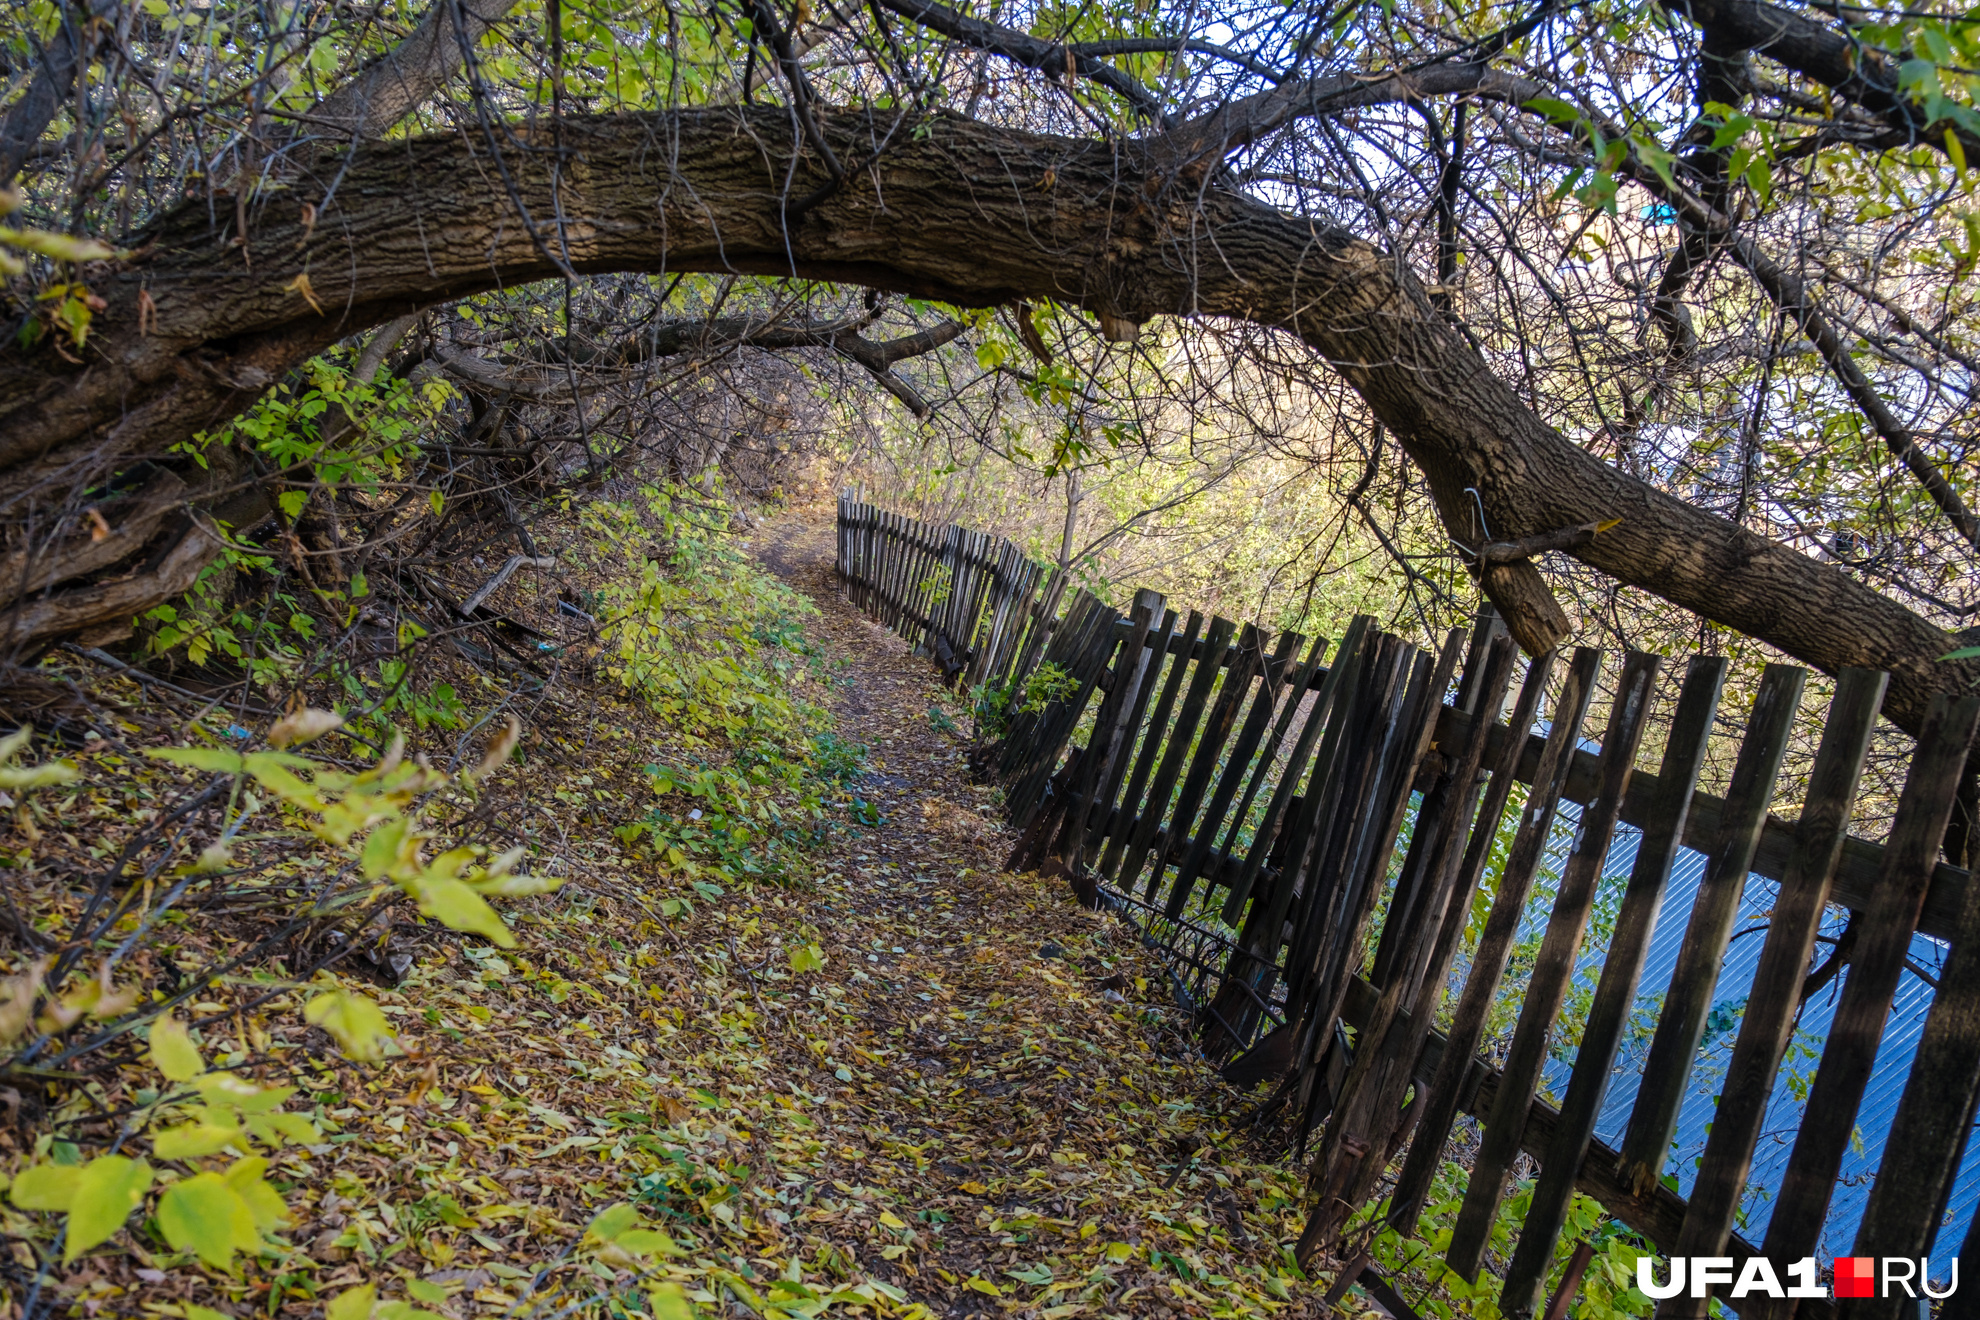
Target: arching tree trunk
{"type": "Point", "coordinates": [942, 208]}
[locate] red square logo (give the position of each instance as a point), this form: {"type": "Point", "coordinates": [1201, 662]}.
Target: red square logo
{"type": "Point", "coordinates": [1856, 1276]}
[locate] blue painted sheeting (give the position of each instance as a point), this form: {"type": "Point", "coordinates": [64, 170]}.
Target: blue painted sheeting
{"type": "Point", "coordinates": [1880, 1102]}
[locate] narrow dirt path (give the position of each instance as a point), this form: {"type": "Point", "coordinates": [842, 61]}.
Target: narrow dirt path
{"type": "Point", "coordinates": [982, 1102]}
{"type": "Point", "coordinates": [1033, 1133]}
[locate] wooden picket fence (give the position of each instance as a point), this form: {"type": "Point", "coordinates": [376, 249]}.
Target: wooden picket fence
{"type": "Point", "coordinates": [1244, 797]}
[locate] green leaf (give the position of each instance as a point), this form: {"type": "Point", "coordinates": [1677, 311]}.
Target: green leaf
{"type": "Point", "coordinates": [807, 958]}
{"type": "Point", "coordinates": [1760, 178]}
{"type": "Point", "coordinates": [207, 1216]}
{"type": "Point", "coordinates": [1037, 1275]}
{"type": "Point", "coordinates": [668, 1301]}
{"type": "Point", "coordinates": [46, 1187]}
{"type": "Point", "coordinates": [355, 1304]}
{"type": "Point", "coordinates": [450, 1213]}
{"type": "Point", "coordinates": [646, 1242]}
{"type": "Point", "coordinates": [110, 1187]}
{"type": "Point", "coordinates": [1559, 111]}
{"type": "Point", "coordinates": [292, 502]}
{"type": "Point", "coordinates": [358, 1025]}
{"type": "Point", "coordinates": [173, 1052]}
{"type": "Point", "coordinates": [422, 1291]}
{"type": "Point", "coordinates": [248, 1179]}
{"type": "Point", "coordinates": [612, 1221]}
{"type": "Point", "coordinates": [201, 758]}
{"type": "Point", "coordinates": [458, 907]}
{"type": "Point", "coordinates": [193, 1141]}
{"type": "Point", "coordinates": [1963, 653]}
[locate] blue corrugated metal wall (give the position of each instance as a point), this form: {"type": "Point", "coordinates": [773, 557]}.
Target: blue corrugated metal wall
{"type": "Point", "coordinates": [1894, 1058]}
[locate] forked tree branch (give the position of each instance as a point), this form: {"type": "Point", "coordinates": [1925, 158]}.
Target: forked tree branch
{"type": "Point", "coordinates": [544, 384]}
{"type": "Point", "coordinates": [396, 83]}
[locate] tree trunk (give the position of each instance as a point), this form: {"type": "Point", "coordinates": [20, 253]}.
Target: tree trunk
{"type": "Point", "coordinates": [953, 210]}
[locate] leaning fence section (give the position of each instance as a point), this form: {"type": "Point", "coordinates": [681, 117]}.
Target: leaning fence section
{"type": "Point", "coordinates": [1305, 827]}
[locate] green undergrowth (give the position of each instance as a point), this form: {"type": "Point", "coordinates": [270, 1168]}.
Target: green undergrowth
{"type": "Point", "coordinates": [716, 648]}
{"type": "Point", "coordinates": [219, 1116]}
{"type": "Point", "coordinates": [1415, 1265]}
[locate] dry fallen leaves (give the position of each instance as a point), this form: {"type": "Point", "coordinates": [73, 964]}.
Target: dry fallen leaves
{"type": "Point", "coordinates": [948, 1114]}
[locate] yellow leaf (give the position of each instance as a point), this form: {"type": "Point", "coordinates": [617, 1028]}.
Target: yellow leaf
{"type": "Point", "coordinates": [173, 1052]}
{"type": "Point", "coordinates": [608, 1223]}
{"type": "Point", "coordinates": [891, 1220]}
{"type": "Point", "coordinates": [248, 1180]}
{"type": "Point", "coordinates": [305, 725]}
{"type": "Point", "coordinates": [499, 749]}
{"type": "Point", "coordinates": [422, 1291]}
{"type": "Point", "coordinates": [109, 1188]}
{"type": "Point", "coordinates": [355, 1304]}
{"type": "Point", "coordinates": [300, 284]}
{"type": "Point", "coordinates": [57, 247]}
{"type": "Point", "coordinates": [205, 1215]}
{"type": "Point", "coordinates": [193, 1141]}
{"type": "Point", "coordinates": [37, 776]}
{"type": "Point", "coordinates": [17, 997]}
{"type": "Point", "coordinates": [668, 1301]}
{"type": "Point", "coordinates": [646, 1242]}
{"type": "Point", "coordinates": [358, 1025]}
{"type": "Point", "coordinates": [274, 1129]}
{"type": "Point", "coordinates": [46, 1187]}
{"type": "Point", "coordinates": [392, 850]}
{"type": "Point", "coordinates": [458, 907]}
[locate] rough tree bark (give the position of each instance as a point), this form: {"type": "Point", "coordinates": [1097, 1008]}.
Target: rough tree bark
{"type": "Point", "coordinates": [397, 82]}
{"type": "Point", "coordinates": [954, 210]}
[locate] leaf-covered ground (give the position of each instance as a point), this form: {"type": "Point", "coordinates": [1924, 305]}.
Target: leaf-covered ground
{"type": "Point", "coordinates": [980, 1102]}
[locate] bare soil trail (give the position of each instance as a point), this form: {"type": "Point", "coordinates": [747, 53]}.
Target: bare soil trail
{"type": "Point", "coordinates": [890, 1080]}
{"type": "Point", "coordinates": [1032, 1110]}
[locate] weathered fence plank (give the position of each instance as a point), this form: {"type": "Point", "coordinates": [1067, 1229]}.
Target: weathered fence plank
{"type": "Point", "coordinates": [1553, 966]}
{"type": "Point", "coordinates": [1878, 961]}
{"type": "Point", "coordinates": [1775, 998]}
{"type": "Point", "coordinates": [1674, 1047]}
{"type": "Point", "coordinates": [1180, 741]}
{"type": "Point", "coordinates": [1615, 992]}
{"type": "Point", "coordinates": [1488, 963]}
{"type": "Point", "coordinates": [1274, 902]}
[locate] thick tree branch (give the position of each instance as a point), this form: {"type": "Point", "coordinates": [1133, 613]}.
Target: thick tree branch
{"type": "Point", "coordinates": [667, 339]}
{"type": "Point", "coordinates": [1195, 144]}
{"type": "Point", "coordinates": [1561, 538]}
{"type": "Point", "coordinates": [119, 529]}
{"type": "Point", "coordinates": [958, 211]}
{"type": "Point", "coordinates": [397, 82]}
{"type": "Point", "coordinates": [1860, 74]}
{"type": "Point", "coordinates": [114, 602]}
{"type": "Point", "coordinates": [28, 118]}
